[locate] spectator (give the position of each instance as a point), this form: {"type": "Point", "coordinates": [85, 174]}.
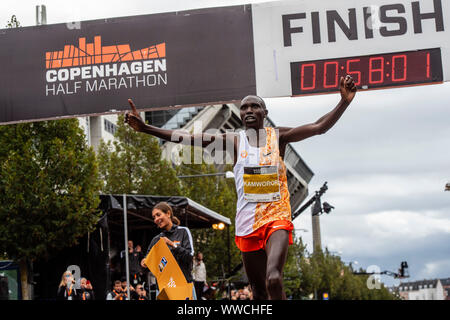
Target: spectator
{"type": "Point", "coordinates": [141, 274]}
{"type": "Point", "coordinates": [140, 293]}
{"type": "Point", "coordinates": [66, 289]}
{"type": "Point", "coordinates": [116, 293]}
{"type": "Point", "coordinates": [86, 290]}
{"type": "Point", "coordinates": [124, 285]}
{"type": "Point", "coordinates": [179, 239]}
{"type": "Point", "coordinates": [199, 274]}
{"type": "Point", "coordinates": [134, 258]}
{"type": "Point", "coordinates": [248, 293]}
{"type": "Point", "coordinates": [243, 295]}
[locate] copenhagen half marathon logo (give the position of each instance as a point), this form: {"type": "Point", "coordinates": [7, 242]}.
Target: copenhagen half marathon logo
{"type": "Point", "coordinates": [92, 67]}
{"type": "Point", "coordinates": [162, 264]}
{"type": "Point", "coordinates": [171, 283]}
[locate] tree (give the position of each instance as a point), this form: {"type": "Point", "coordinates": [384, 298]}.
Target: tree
{"type": "Point", "coordinates": [321, 272]}
{"type": "Point", "coordinates": [48, 190]}
{"type": "Point", "coordinates": [133, 164]}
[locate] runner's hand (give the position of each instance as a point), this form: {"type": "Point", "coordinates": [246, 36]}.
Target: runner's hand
{"type": "Point", "coordinates": [133, 118]}
{"type": "Point", "coordinates": [348, 88]}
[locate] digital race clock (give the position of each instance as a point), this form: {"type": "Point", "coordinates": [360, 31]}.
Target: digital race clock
{"type": "Point", "coordinates": [368, 72]}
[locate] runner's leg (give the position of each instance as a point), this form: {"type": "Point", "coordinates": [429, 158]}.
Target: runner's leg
{"type": "Point", "coordinates": [276, 249]}
{"type": "Point", "coordinates": [255, 268]}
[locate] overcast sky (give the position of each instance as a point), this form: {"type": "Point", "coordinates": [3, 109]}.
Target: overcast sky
{"type": "Point", "coordinates": [386, 161]}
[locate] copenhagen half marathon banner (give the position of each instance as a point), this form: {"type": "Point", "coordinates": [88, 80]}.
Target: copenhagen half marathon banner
{"type": "Point", "coordinates": [160, 60]}
{"type": "Point", "coordinates": [220, 55]}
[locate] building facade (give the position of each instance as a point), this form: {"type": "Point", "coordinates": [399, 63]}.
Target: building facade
{"type": "Point", "coordinates": [422, 290]}
{"type": "Point", "coordinates": [446, 285]}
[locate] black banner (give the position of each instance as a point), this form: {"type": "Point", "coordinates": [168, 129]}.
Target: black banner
{"type": "Point", "coordinates": [160, 60]}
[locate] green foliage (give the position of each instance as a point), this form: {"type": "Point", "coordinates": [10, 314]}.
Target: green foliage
{"type": "Point", "coordinates": [132, 164]}
{"type": "Point", "coordinates": [48, 187]}
{"type": "Point", "coordinates": [312, 275]}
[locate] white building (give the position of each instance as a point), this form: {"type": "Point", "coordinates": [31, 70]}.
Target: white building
{"type": "Point", "coordinates": [422, 290]}
{"type": "Point", "coordinates": [98, 128]}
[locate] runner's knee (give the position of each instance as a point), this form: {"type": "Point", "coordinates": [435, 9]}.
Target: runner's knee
{"type": "Point", "coordinates": [274, 280]}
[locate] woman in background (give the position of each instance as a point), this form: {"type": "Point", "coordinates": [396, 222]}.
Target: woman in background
{"type": "Point", "coordinates": [66, 289]}
{"type": "Point", "coordinates": [178, 239]}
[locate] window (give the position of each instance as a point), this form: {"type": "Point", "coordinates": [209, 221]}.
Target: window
{"type": "Point", "coordinates": [109, 126]}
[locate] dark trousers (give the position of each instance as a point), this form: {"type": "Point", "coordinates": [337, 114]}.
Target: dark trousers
{"type": "Point", "coordinates": [199, 289]}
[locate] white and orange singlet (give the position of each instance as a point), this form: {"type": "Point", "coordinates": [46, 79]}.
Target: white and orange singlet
{"type": "Point", "coordinates": [261, 185]}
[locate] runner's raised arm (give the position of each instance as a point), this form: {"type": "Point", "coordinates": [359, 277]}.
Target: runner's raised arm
{"type": "Point", "coordinates": [178, 136]}
{"type": "Point", "coordinates": [322, 125]}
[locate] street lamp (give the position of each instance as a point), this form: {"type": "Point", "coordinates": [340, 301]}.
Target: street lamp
{"type": "Point", "coordinates": [218, 226]}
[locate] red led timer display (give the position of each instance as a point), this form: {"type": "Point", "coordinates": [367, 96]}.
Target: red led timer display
{"type": "Point", "coordinates": [368, 72]}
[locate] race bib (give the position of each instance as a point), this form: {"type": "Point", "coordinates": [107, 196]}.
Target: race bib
{"type": "Point", "coordinates": [261, 184]}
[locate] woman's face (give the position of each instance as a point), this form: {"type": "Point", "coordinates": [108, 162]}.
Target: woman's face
{"type": "Point", "coordinates": [161, 219]}
{"type": "Point", "coordinates": [68, 278]}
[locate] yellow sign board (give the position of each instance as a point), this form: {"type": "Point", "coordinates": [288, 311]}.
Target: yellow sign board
{"type": "Point", "coordinates": [172, 284]}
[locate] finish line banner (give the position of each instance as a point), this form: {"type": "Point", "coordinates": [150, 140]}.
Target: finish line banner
{"type": "Point", "coordinates": [220, 55]}
{"type": "Point", "coordinates": [161, 60]}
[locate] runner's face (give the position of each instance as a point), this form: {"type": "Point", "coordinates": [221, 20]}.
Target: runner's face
{"type": "Point", "coordinates": [161, 219]}
{"type": "Point", "coordinates": [252, 113]}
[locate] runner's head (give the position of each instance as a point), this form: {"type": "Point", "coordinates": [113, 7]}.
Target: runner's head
{"type": "Point", "coordinates": [253, 111]}
{"type": "Point", "coordinates": [163, 216]}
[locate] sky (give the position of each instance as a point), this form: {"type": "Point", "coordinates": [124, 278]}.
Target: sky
{"type": "Point", "coordinates": [386, 161]}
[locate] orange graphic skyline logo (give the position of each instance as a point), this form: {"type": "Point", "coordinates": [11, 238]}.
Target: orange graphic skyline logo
{"type": "Point", "coordinates": [94, 53]}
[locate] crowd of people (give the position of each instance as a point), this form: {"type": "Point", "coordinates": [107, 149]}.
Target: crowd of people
{"type": "Point", "coordinates": [138, 289]}
{"type": "Point", "coordinates": [67, 289]}
{"type": "Point", "coordinates": [242, 294]}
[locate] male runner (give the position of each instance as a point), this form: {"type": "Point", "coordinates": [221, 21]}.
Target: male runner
{"type": "Point", "coordinates": [263, 217]}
